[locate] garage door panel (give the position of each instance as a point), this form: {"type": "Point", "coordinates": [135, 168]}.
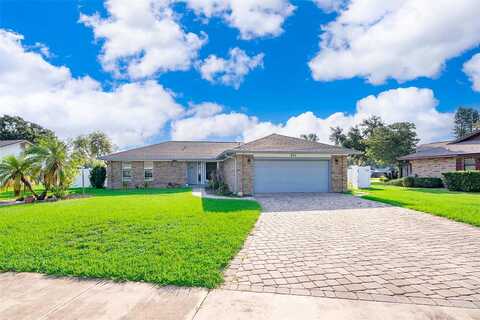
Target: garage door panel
{"type": "Point", "coordinates": [291, 176]}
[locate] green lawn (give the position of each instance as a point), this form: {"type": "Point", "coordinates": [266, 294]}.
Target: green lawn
{"type": "Point", "coordinates": [459, 206]}
{"type": "Point", "coordinates": [163, 236]}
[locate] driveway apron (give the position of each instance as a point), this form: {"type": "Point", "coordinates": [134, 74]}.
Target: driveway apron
{"type": "Point", "coordinates": [341, 246]}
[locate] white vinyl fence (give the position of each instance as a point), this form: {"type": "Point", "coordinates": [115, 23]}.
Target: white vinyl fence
{"type": "Point", "coordinates": [78, 182]}
{"type": "Point", "coordinates": [359, 177]}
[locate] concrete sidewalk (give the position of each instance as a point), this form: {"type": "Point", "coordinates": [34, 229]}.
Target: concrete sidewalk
{"type": "Point", "coordinates": [35, 296]}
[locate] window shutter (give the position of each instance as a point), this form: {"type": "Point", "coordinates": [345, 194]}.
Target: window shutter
{"type": "Point", "coordinates": [459, 164]}
{"type": "Point", "coordinates": [477, 163]}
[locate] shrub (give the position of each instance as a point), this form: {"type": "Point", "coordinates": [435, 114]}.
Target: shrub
{"type": "Point", "coordinates": [408, 182]}
{"type": "Point", "coordinates": [98, 176]}
{"type": "Point", "coordinates": [468, 181]}
{"type": "Point", "coordinates": [218, 185]}
{"type": "Point", "coordinates": [416, 182]}
{"type": "Point", "coordinates": [395, 182]}
{"type": "Point", "coordinates": [59, 192]}
{"type": "Point", "coordinates": [428, 183]}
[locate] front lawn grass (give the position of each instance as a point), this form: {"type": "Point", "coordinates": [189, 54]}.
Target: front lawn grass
{"type": "Point", "coordinates": [459, 206]}
{"type": "Point", "coordinates": [162, 236]}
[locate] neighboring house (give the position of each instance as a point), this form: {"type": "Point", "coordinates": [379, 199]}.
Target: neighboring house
{"type": "Point", "coordinates": [433, 159]}
{"type": "Point", "coordinates": [274, 163]}
{"type": "Point", "coordinates": [12, 147]}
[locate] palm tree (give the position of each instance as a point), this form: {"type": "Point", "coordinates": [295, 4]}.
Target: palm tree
{"type": "Point", "coordinates": [51, 157]}
{"type": "Point", "coordinates": [15, 171]}
{"type": "Point", "coordinates": [310, 137]}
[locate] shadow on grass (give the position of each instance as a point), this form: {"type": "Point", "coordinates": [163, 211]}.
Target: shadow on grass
{"type": "Point", "coordinates": [128, 192]}
{"type": "Point", "coordinates": [387, 201]}
{"type": "Point", "coordinates": [227, 205]}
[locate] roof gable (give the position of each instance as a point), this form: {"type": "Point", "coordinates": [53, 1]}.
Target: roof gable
{"type": "Point", "coordinates": [472, 136]}
{"type": "Point", "coordinates": [4, 143]}
{"type": "Point", "coordinates": [465, 146]}
{"type": "Point", "coordinates": [280, 143]}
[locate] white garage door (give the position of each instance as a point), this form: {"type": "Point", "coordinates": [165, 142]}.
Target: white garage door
{"type": "Point", "coordinates": [291, 176]}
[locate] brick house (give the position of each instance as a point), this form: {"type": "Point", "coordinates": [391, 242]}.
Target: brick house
{"type": "Point", "coordinates": [433, 159]}
{"type": "Point", "coordinates": [274, 163]}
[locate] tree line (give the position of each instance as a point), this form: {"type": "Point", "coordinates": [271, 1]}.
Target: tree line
{"type": "Point", "coordinates": [381, 144]}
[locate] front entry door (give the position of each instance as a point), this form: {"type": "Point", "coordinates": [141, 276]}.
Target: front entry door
{"type": "Point", "coordinates": [192, 173]}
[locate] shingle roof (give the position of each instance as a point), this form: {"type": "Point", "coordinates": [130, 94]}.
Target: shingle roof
{"type": "Point", "coordinates": [174, 150]}
{"type": "Point", "coordinates": [280, 143]}
{"type": "Point", "coordinates": [4, 143]}
{"type": "Point", "coordinates": [464, 146]}
{"type": "Point", "coordinates": [205, 150]}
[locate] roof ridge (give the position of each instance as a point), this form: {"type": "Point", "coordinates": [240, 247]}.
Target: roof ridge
{"type": "Point", "coordinates": [295, 138]}
{"type": "Point", "coordinates": [202, 141]}
{"type": "Point", "coordinates": [468, 136]}
{"type": "Point", "coordinates": [138, 148]}
{"type": "Point", "coordinates": [169, 141]}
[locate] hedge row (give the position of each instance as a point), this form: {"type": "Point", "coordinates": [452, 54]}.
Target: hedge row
{"type": "Point", "coordinates": [468, 181]}
{"type": "Point", "coordinates": [417, 182]}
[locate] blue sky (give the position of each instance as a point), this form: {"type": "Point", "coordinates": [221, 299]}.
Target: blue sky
{"type": "Point", "coordinates": [282, 86]}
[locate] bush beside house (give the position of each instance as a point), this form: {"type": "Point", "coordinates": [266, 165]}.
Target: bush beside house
{"type": "Point", "coordinates": [417, 182]}
{"type": "Point", "coordinates": [98, 176]}
{"type": "Point", "coordinates": [468, 181]}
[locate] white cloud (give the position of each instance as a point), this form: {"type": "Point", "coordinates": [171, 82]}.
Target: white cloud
{"type": "Point", "coordinates": [210, 123]}
{"type": "Point", "coordinates": [472, 70]}
{"type": "Point", "coordinates": [204, 109]}
{"type": "Point", "coordinates": [399, 39]}
{"type": "Point", "coordinates": [143, 37]}
{"type": "Point", "coordinates": [231, 71]}
{"type": "Point", "coordinates": [48, 95]}
{"type": "Point", "coordinates": [404, 104]}
{"type": "Point", "coordinates": [252, 18]}
{"type": "Point", "coordinates": [329, 5]}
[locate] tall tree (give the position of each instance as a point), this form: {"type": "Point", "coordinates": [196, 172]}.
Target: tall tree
{"type": "Point", "coordinates": [387, 143]}
{"type": "Point", "coordinates": [16, 128]}
{"type": "Point", "coordinates": [57, 167]}
{"type": "Point", "coordinates": [92, 146]}
{"type": "Point", "coordinates": [466, 120]}
{"type": "Point", "coordinates": [310, 137]}
{"type": "Point", "coordinates": [356, 141]}
{"type": "Point", "coordinates": [370, 124]}
{"type": "Point", "coordinates": [337, 136]}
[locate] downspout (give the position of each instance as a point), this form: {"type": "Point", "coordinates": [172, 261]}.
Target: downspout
{"type": "Point", "coordinates": [236, 182]}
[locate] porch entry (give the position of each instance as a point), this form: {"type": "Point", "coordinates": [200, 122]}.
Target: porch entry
{"type": "Point", "coordinates": [199, 172]}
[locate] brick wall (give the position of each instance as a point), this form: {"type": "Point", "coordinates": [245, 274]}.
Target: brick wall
{"type": "Point", "coordinates": [338, 171]}
{"type": "Point", "coordinates": [244, 177]}
{"type": "Point", "coordinates": [433, 167]}
{"type": "Point", "coordinates": [245, 162]}
{"type": "Point", "coordinates": [164, 172]}
{"type": "Point", "coordinates": [228, 172]}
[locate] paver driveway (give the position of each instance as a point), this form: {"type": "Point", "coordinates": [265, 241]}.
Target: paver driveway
{"type": "Point", "coordinates": [342, 246]}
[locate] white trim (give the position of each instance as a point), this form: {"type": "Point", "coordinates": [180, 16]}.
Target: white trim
{"type": "Point", "coordinates": [292, 155]}
{"type": "Point", "coordinates": [236, 180]}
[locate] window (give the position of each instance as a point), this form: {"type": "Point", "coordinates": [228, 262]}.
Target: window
{"type": "Point", "coordinates": [469, 164]}
{"type": "Point", "coordinates": [126, 171]}
{"type": "Point", "coordinates": [148, 170]}
{"type": "Point", "coordinates": [211, 169]}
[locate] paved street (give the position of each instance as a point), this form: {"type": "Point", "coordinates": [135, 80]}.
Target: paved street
{"type": "Point", "coordinates": [340, 246]}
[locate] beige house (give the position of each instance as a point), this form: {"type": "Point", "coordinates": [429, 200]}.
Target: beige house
{"type": "Point", "coordinates": [433, 159]}
{"type": "Point", "coordinates": [274, 163]}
